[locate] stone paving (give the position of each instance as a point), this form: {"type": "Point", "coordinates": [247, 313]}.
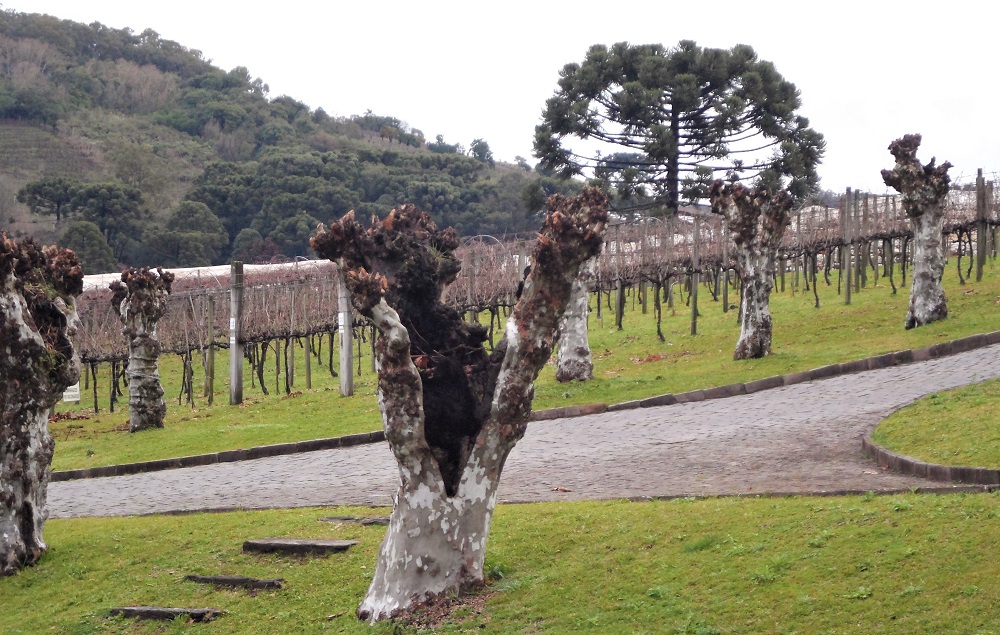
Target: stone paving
{"type": "Point", "coordinates": [800, 438]}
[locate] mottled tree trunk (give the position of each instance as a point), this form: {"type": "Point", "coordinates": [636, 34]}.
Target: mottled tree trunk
{"type": "Point", "coordinates": [140, 300]}
{"type": "Point", "coordinates": [146, 408]}
{"type": "Point", "coordinates": [450, 467]}
{"type": "Point", "coordinates": [927, 301]}
{"type": "Point", "coordinates": [573, 360]}
{"type": "Point", "coordinates": [756, 221]}
{"type": "Point", "coordinates": [924, 189]}
{"type": "Point", "coordinates": [435, 543]}
{"type": "Point", "coordinates": [755, 320]}
{"type": "Point", "coordinates": [37, 363]}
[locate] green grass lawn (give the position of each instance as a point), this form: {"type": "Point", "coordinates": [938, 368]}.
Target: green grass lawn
{"type": "Point", "coordinates": [957, 427]}
{"type": "Point", "coordinates": [911, 563]}
{"type": "Point", "coordinates": [628, 364]}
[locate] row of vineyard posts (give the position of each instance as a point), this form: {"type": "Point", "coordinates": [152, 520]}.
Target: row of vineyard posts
{"type": "Point", "coordinates": [276, 310]}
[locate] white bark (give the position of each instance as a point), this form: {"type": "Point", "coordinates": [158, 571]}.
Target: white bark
{"type": "Point", "coordinates": [923, 189]}
{"type": "Point", "coordinates": [146, 408]}
{"type": "Point", "coordinates": [435, 543]}
{"type": "Point", "coordinates": [32, 378]}
{"type": "Point", "coordinates": [927, 301]}
{"type": "Point", "coordinates": [140, 299]}
{"type": "Point", "coordinates": [756, 221]}
{"type": "Point", "coordinates": [573, 358]}
{"type": "Point", "coordinates": [755, 320]}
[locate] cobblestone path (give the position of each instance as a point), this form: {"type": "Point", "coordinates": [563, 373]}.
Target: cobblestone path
{"type": "Point", "coordinates": [800, 438]}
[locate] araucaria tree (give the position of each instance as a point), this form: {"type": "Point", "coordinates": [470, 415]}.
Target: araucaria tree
{"type": "Point", "coordinates": [659, 124]}
{"type": "Point", "coordinates": [924, 189]}
{"type": "Point", "coordinates": [756, 220]}
{"type": "Point", "coordinates": [452, 411]}
{"type": "Point", "coordinates": [38, 289]}
{"type": "Point", "coordinates": [140, 299]}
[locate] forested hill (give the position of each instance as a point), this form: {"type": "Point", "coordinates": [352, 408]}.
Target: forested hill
{"type": "Point", "coordinates": [133, 149]}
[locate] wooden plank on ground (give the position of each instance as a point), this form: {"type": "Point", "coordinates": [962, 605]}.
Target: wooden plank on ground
{"type": "Point", "coordinates": [237, 582]}
{"type": "Point", "coordinates": [361, 520]}
{"type": "Point", "coordinates": [165, 613]}
{"type": "Point", "coordinates": [297, 546]}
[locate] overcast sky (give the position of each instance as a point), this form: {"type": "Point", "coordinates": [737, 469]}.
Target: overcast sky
{"type": "Point", "coordinates": [868, 71]}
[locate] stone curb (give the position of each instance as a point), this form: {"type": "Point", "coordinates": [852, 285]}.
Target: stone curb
{"type": "Point", "coordinates": [934, 351]}
{"type": "Point", "coordinates": [886, 360]}
{"type": "Point", "coordinates": [945, 489]}
{"type": "Point", "coordinates": [932, 471]}
{"type": "Point", "coordinates": [228, 456]}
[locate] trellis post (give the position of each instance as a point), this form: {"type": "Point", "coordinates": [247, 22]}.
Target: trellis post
{"type": "Point", "coordinates": [470, 268]}
{"type": "Point", "coordinates": [346, 327]}
{"type": "Point", "coordinates": [235, 347]}
{"type": "Point", "coordinates": [725, 267]}
{"type": "Point", "coordinates": [695, 278]}
{"type": "Point", "coordinates": [981, 227]}
{"type": "Point", "coordinates": [846, 209]}
{"type": "Point", "coordinates": [210, 374]}
{"type": "Point", "coordinates": [291, 337]}
{"type": "Point", "coordinates": [855, 232]}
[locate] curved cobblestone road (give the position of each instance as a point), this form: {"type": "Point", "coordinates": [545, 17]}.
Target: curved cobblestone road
{"type": "Point", "coordinates": [800, 438]}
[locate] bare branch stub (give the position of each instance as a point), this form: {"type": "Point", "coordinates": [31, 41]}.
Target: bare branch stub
{"type": "Point", "coordinates": [922, 186]}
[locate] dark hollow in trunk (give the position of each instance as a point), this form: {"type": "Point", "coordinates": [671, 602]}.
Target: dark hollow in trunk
{"type": "Point", "coordinates": [452, 412]}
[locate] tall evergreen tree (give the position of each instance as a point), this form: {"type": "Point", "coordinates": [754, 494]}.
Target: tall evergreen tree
{"type": "Point", "coordinates": [681, 116]}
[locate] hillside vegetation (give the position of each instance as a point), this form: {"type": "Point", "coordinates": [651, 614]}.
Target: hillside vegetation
{"type": "Point", "coordinates": [106, 132]}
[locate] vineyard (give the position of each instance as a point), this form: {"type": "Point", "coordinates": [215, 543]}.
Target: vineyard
{"type": "Point", "coordinates": [659, 261]}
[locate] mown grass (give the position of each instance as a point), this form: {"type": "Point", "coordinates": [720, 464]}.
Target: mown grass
{"type": "Point", "coordinates": [628, 364]}
{"type": "Point", "coordinates": [87, 439]}
{"type": "Point", "coordinates": [956, 427]}
{"type": "Point", "coordinates": [863, 564]}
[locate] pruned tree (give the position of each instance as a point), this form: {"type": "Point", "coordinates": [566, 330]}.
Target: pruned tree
{"type": "Point", "coordinates": [140, 300]}
{"type": "Point", "coordinates": [573, 359]}
{"type": "Point", "coordinates": [924, 189]}
{"type": "Point", "coordinates": [38, 289]}
{"type": "Point", "coordinates": [452, 411]}
{"type": "Point", "coordinates": [756, 220]}
{"type": "Point", "coordinates": [657, 123]}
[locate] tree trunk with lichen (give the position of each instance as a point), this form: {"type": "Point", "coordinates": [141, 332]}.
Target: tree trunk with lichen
{"type": "Point", "coordinates": [140, 299]}
{"type": "Point", "coordinates": [452, 412]}
{"type": "Point", "coordinates": [756, 221]}
{"type": "Point", "coordinates": [38, 289]}
{"type": "Point", "coordinates": [573, 360]}
{"type": "Point", "coordinates": [924, 189]}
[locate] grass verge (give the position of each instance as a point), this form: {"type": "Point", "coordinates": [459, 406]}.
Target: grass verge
{"type": "Point", "coordinates": [957, 427]}
{"type": "Point", "coordinates": [909, 563]}
{"type": "Point", "coordinates": [628, 364]}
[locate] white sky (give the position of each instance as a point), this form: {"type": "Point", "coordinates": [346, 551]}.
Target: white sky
{"type": "Point", "coordinates": [868, 71]}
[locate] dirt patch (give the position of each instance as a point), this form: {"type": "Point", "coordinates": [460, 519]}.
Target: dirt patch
{"type": "Point", "coordinates": [659, 357]}
{"type": "Point", "coordinates": [435, 613]}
